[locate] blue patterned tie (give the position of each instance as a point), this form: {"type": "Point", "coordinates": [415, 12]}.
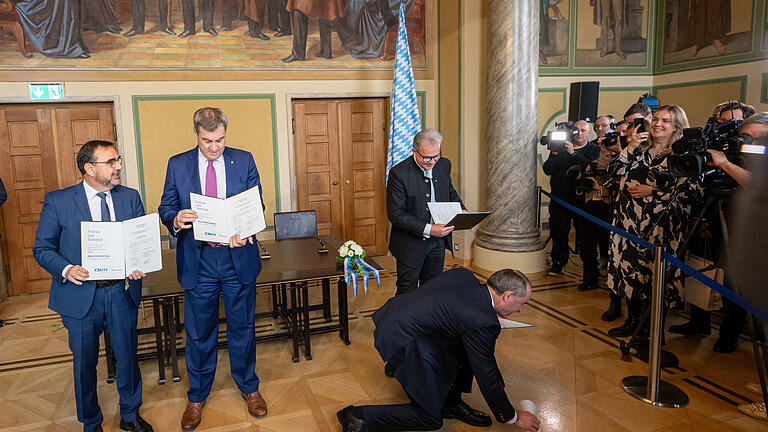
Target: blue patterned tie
{"type": "Point", "coordinates": [105, 215]}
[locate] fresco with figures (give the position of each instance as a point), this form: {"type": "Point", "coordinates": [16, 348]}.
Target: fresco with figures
{"type": "Point", "coordinates": [208, 34]}
{"type": "Point", "coordinates": [612, 33]}
{"type": "Point", "coordinates": [700, 29]}
{"type": "Point", "coordinates": [554, 19]}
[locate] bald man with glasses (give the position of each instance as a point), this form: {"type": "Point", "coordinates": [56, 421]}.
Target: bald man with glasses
{"type": "Point", "coordinates": [417, 244]}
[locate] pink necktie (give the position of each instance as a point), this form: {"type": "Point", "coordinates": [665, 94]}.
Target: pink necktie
{"type": "Point", "coordinates": [210, 186]}
{"type": "Point", "coordinates": [210, 180]}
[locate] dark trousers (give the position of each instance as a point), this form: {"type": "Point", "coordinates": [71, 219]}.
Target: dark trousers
{"type": "Point", "coordinates": [300, 28]}
{"type": "Point", "coordinates": [559, 228]}
{"type": "Point", "coordinates": [589, 234]}
{"type": "Point", "coordinates": [284, 17]}
{"type": "Point", "coordinates": [138, 9]}
{"type": "Point", "coordinates": [425, 412]}
{"type": "Point", "coordinates": [217, 277]}
{"type": "Point", "coordinates": [733, 320]}
{"type": "Point", "coordinates": [408, 277]}
{"type": "Point", "coordinates": [188, 12]}
{"type": "Point", "coordinates": [113, 309]}
{"type": "Point", "coordinates": [231, 9]}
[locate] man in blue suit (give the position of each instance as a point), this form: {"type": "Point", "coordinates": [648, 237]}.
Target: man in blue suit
{"type": "Point", "coordinates": [437, 339]}
{"type": "Point", "coordinates": [87, 307]}
{"type": "Point", "coordinates": [208, 270]}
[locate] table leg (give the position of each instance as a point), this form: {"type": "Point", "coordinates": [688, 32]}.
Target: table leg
{"type": "Point", "coordinates": [343, 311]}
{"type": "Point", "coordinates": [159, 341]}
{"type": "Point", "coordinates": [110, 354]}
{"type": "Point", "coordinates": [171, 331]}
{"type": "Point", "coordinates": [327, 299]}
{"type": "Point", "coordinates": [274, 301]}
{"type": "Point", "coordinates": [294, 316]}
{"type": "Point", "coordinates": [305, 320]}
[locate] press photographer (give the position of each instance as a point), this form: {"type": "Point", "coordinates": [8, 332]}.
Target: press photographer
{"type": "Point", "coordinates": [712, 154]}
{"type": "Point", "coordinates": [650, 204]}
{"type": "Point", "coordinates": [568, 152]}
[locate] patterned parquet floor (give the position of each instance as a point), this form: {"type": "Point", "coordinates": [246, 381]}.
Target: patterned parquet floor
{"type": "Point", "coordinates": [566, 363]}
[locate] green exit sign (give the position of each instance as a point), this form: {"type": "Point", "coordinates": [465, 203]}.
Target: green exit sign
{"type": "Point", "coordinates": [46, 92]}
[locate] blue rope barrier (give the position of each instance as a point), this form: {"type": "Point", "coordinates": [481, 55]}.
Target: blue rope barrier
{"type": "Point", "coordinates": [690, 271]}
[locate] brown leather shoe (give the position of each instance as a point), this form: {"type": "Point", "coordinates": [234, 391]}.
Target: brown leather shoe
{"type": "Point", "coordinates": [257, 406]}
{"type": "Point", "coordinates": [191, 417]}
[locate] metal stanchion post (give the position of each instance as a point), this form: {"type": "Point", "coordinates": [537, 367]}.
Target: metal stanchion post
{"type": "Point", "coordinates": [652, 389]}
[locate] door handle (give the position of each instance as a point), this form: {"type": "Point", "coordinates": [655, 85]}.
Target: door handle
{"type": "Point", "coordinates": [335, 183]}
{"type": "Point", "coordinates": [347, 181]}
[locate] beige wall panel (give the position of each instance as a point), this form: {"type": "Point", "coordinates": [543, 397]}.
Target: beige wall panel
{"type": "Point", "coordinates": [699, 100]}
{"type": "Point", "coordinates": [166, 129]}
{"type": "Point", "coordinates": [617, 102]}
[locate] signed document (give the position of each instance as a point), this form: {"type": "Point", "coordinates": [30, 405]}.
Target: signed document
{"type": "Point", "coordinates": [113, 250]}
{"type": "Point", "coordinates": [219, 219]}
{"type": "Point", "coordinates": [443, 212]}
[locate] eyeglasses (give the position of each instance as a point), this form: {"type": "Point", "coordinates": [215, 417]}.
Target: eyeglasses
{"type": "Point", "coordinates": [111, 162]}
{"type": "Point", "coordinates": [429, 158]}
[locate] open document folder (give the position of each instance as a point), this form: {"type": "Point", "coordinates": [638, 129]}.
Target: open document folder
{"type": "Point", "coordinates": [113, 250]}
{"type": "Point", "coordinates": [450, 213]}
{"type": "Point", "coordinates": [219, 219]}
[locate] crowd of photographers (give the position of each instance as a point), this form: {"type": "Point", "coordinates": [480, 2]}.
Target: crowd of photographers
{"type": "Point", "coordinates": [654, 176]}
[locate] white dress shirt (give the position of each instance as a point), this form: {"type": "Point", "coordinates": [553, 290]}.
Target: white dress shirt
{"type": "Point", "coordinates": [221, 174]}
{"type": "Point", "coordinates": [94, 204]}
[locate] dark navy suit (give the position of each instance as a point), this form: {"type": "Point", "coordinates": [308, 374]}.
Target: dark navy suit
{"type": "Point", "coordinates": [436, 338]}
{"type": "Point", "coordinates": [86, 310]}
{"type": "Point", "coordinates": [205, 272]}
{"type": "Point", "coordinates": [3, 194]}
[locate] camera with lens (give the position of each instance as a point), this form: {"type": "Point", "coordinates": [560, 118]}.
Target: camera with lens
{"type": "Point", "coordinates": [580, 179]}
{"type": "Point", "coordinates": [611, 138]}
{"type": "Point", "coordinates": [690, 156]}
{"type": "Point", "coordinates": [555, 140]}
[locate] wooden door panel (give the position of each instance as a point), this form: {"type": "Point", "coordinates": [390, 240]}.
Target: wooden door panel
{"type": "Point", "coordinates": [38, 144]}
{"type": "Point", "coordinates": [317, 164]}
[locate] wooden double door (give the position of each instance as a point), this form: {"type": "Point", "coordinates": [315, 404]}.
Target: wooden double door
{"type": "Point", "coordinates": [340, 163]}
{"type": "Point", "coordinates": [38, 148]}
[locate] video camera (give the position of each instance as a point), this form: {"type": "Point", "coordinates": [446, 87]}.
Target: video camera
{"type": "Point", "coordinates": [555, 140]}
{"type": "Point", "coordinates": [690, 154]}
{"type": "Point", "coordinates": [611, 138]}
{"type": "Point", "coordinates": [581, 179]}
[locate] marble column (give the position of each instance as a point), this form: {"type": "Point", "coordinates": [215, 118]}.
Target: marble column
{"type": "Point", "coordinates": [510, 236]}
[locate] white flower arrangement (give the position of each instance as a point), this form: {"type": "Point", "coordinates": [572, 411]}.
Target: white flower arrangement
{"type": "Point", "coordinates": [353, 256]}
{"type": "Point", "coordinates": [352, 250]}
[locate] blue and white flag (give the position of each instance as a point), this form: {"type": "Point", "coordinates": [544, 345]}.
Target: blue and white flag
{"type": "Point", "coordinates": [404, 120]}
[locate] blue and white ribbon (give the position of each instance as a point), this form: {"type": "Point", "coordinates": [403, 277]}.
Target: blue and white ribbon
{"type": "Point", "coordinates": [350, 274]}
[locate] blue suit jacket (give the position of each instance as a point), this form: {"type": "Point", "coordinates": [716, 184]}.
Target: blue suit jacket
{"type": "Point", "coordinates": [57, 244]}
{"type": "Point", "coordinates": [181, 178]}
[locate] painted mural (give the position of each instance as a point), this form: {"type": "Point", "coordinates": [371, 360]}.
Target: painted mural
{"type": "Point", "coordinates": [553, 32]}
{"type": "Point", "coordinates": [612, 33]}
{"type": "Point", "coordinates": [697, 29]}
{"type": "Point", "coordinates": [208, 34]}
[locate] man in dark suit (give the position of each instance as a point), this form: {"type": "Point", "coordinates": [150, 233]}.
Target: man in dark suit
{"type": "Point", "coordinates": [209, 270]}
{"type": "Point", "coordinates": [417, 245]}
{"type": "Point", "coordinates": [87, 307]}
{"type": "Point", "coordinates": [436, 339]}
{"type": "Point", "coordinates": [138, 8]}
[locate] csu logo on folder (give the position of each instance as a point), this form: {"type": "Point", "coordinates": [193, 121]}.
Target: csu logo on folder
{"type": "Point", "coordinates": [100, 269]}
{"type": "Point", "coordinates": [209, 233]}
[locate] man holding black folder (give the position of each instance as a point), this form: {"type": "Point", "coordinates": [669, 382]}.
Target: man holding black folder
{"type": "Point", "coordinates": [417, 244]}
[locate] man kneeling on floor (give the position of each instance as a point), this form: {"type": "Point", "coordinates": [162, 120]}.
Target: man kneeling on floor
{"type": "Point", "coordinates": [436, 338]}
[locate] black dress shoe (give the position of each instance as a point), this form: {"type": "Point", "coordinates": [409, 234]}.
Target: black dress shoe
{"type": "Point", "coordinates": [258, 35]}
{"type": "Point", "coordinates": [320, 55]}
{"type": "Point", "coordinates": [185, 33]}
{"type": "Point", "coordinates": [140, 425]}
{"type": "Point", "coordinates": [168, 31]}
{"type": "Point", "coordinates": [225, 28]}
{"type": "Point", "coordinates": [114, 29]}
{"type": "Point", "coordinates": [133, 32]}
{"type": "Point", "coordinates": [465, 413]}
{"type": "Point", "coordinates": [292, 58]}
{"type": "Point", "coordinates": [282, 33]}
{"type": "Point", "coordinates": [212, 31]}
{"type": "Point", "coordinates": [389, 370]}
{"type": "Point", "coordinates": [585, 287]}
{"type": "Point", "coordinates": [725, 346]}
{"type": "Point", "coordinates": [349, 421]}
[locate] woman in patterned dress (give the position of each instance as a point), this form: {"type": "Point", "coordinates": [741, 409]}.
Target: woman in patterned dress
{"type": "Point", "coordinates": [651, 204]}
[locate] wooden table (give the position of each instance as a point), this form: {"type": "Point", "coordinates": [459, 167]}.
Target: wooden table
{"type": "Point", "coordinates": [294, 263]}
